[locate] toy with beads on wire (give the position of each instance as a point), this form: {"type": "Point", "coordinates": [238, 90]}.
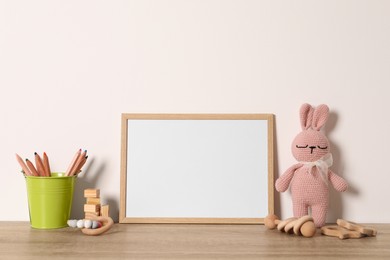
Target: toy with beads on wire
{"type": "Point", "coordinates": [97, 219]}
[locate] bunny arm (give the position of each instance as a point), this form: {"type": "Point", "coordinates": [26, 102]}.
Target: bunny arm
{"type": "Point", "coordinates": [338, 183]}
{"type": "Point", "coordinates": [283, 181]}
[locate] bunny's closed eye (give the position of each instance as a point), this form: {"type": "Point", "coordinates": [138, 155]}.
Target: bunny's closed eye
{"type": "Point", "coordinates": [297, 146]}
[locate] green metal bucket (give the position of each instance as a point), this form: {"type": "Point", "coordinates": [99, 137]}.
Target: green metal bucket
{"type": "Point", "coordinates": [50, 200]}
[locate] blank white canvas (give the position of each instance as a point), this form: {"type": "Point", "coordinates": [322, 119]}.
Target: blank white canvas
{"type": "Point", "coordinates": [197, 168]}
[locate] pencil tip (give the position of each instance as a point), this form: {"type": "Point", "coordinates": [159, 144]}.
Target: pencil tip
{"type": "Point", "coordinates": [35, 153]}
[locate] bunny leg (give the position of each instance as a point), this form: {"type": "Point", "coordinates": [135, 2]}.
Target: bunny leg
{"type": "Point", "coordinates": [300, 209]}
{"type": "Point", "coordinates": [319, 212]}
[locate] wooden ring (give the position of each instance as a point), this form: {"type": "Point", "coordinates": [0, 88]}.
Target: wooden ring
{"type": "Point", "coordinates": [107, 223]}
{"type": "Point", "coordinates": [283, 223]}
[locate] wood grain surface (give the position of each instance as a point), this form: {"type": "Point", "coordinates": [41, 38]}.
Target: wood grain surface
{"type": "Point", "coordinates": [184, 241]}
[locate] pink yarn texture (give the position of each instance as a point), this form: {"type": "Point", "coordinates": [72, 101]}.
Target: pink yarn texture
{"type": "Point", "coordinates": [309, 179]}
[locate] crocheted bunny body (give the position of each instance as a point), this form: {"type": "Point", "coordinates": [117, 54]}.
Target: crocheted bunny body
{"type": "Point", "coordinates": [309, 179]}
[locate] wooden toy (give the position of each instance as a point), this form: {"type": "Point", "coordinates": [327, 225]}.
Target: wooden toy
{"type": "Point", "coordinates": [91, 200]}
{"type": "Point", "coordinates": [340, 232]}
{"type": "Point", "coordinates": [90, 215]}
{"type": "Point", "coordinates": [299, 226]}
{"type": "Point", "coordinates": [104, 211]}
{"type": "Point", "coordinates": [283, 223]}
{"type": "Point", "coordinates": [371, 232]}
{"type": "Point", "coordinates": [96, 224]}
{"type": "Point", "coordinates": [92, 208]}
{"type": "Point", "coordinates": [289, 228]}
{"type": "Point", "coordinates": [93, 224]}
{"type": "Point", "coordinates": [84, 223]}
{"type": "Point", "coordinates": [308, 229]}
{"type": "Point", "coordinates": [80, 223]}
{"type": "Point", "coordinates": [271, 221]}
{"type": "Point", "coordinates": [346, 229]}
{"type": "Point", "coordinates": [107, 223]}
{"type": "Point", "coordinates": [91, 193]}
{"type": "Point", "coordinates": [72, 223]}
{"type": "Point", "coordinates": [88, 223]}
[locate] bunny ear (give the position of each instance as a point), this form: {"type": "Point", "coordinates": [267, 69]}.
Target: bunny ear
{"type": "Point", "coordinates": [306, 116]}
{"type": "Point", "coordinates": [320, 116]}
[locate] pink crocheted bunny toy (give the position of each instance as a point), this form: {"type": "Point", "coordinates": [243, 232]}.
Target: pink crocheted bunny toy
{"type": "Point", "coordinates": [310, 178]}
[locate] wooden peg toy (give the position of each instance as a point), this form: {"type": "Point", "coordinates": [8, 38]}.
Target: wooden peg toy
{"type": "Point", "coordinates": [299, 226]}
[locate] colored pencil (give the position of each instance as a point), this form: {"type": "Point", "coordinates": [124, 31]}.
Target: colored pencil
{"type": "Point", "coordinates": [71, 165]}
{"type": "Point", "coordinates": [78, 163]}
{"type": "Point", "coordinates": [32, 168]}
{"type": "Point", "coordinates": [46, 165]}
{"type": "Point", "coordinates": [39, 164]}
{"type": "Point", "coordinates": [23, 165]}
{"type": "Point", "coordinates": [42, 165]}
{"type": "Point", "coordinates": [78, 168]}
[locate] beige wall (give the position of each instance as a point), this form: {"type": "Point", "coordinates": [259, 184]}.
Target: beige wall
{"type": "Point", "coordinates": [68, 69]}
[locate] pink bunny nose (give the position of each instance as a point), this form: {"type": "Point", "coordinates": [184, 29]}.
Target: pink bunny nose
{"type": "Point", "coordinates": [312, 148]}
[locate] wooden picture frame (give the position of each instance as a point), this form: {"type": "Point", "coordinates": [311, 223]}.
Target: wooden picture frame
{"type": "Point", "coordinates": [197, 168]}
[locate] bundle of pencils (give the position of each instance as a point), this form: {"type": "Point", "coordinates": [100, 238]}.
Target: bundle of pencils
{"type": "Point", "coordinates": [42, 166]}
{"type": "Point", "coordinates": [77, 163]}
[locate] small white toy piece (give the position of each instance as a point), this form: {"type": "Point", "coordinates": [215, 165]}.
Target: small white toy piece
{"type": "Point", "coordinates": [72, 223]}
{"type": "Point", "coordinates": [88, 223]}
{"type": "Point", "coordinates": [80, 223]}
{"type": "Point", "coordinates": [84, 223]}
{"type": "Point", "coordinates": [96, 224]}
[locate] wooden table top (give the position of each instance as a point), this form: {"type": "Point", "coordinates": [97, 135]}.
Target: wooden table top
{"type": "Point", "coordinates": [182, 241]}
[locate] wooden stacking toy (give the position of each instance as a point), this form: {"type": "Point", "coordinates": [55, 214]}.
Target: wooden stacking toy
{"type": "Point", "coordinates": [93, 207]}
{"type": "Point", "coordinates": [97, 219]}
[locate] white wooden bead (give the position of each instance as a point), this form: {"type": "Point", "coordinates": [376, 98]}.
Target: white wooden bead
{"type": "Point", "coordinates": [88, 223]}
{"type": "Point", "coordinates": [72, 223]}
{"type": "Point", "coordinates": [95, 224]}
{"type": "Point", "coordinates": [80, 223]}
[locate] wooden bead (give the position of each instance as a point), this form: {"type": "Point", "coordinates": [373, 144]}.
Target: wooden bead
{"type": "Point", "coordinates": [88, 223]}
{"type": "Point", "coordinates": [270, 221]}
{"type": "Point", "coordinates": [308, 229]}
{"type": "Point", "coordinates": [80, 223]}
